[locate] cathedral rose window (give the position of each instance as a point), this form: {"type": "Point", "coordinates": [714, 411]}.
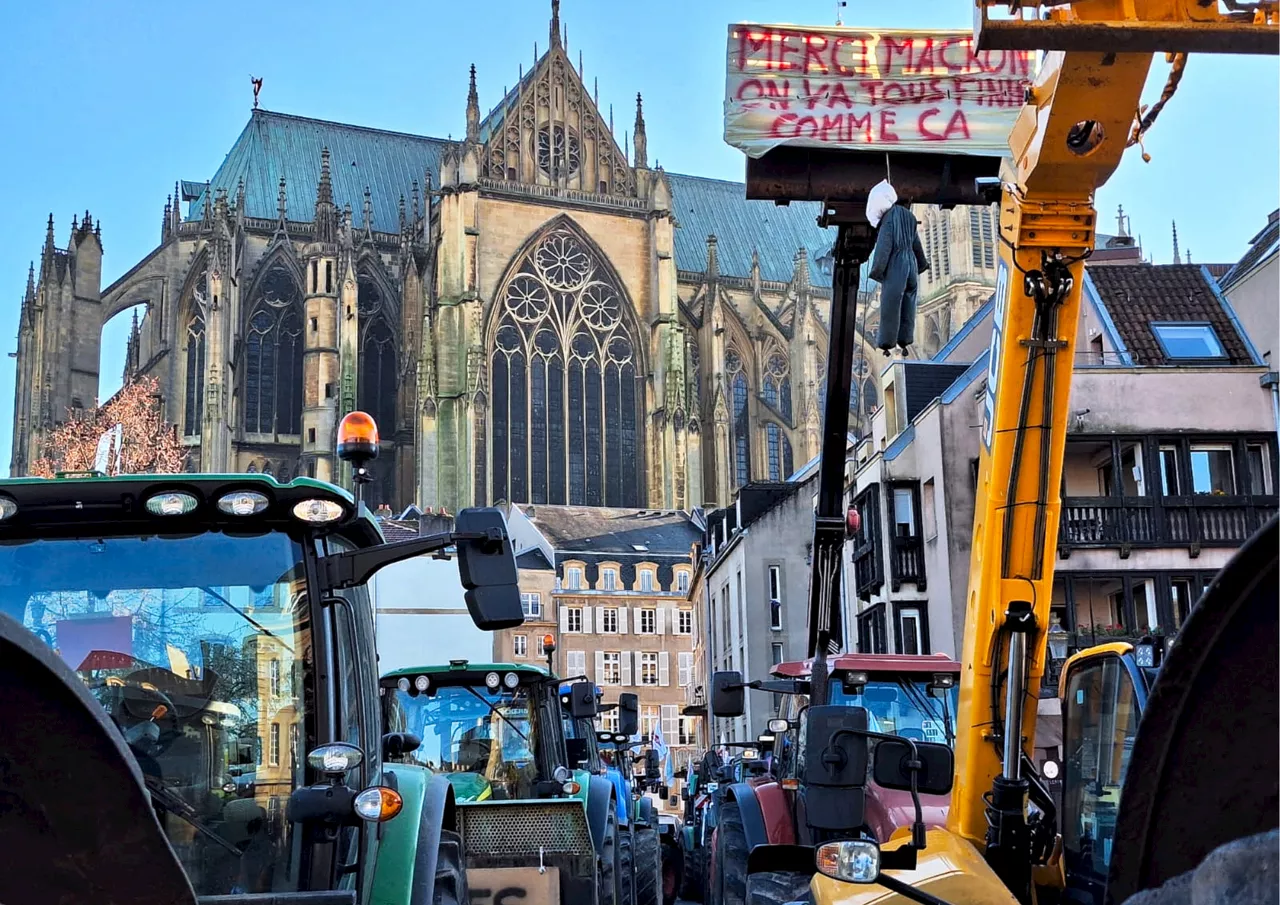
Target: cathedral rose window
{"type": "Point", "coordinates": [563, 372]}
{"type": "Point", "coordinates": [559, 152]}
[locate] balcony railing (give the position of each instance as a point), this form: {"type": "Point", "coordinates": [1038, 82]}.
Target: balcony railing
{"type": "Point", "coordinates": [907, 562]}
{"type": "Point", "coordinates": [1199, 521]}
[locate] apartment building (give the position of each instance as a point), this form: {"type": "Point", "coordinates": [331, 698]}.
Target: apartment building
{"type": "Point", "coordinates": [611, 586]}
{"type": "Point", "coordinates": [753, 583]}
{"type": "Point", "coordinates": [1171, 464]}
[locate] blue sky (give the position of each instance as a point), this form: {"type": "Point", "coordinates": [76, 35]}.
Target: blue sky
{"type": "Point", "coordinates": [104, 108]}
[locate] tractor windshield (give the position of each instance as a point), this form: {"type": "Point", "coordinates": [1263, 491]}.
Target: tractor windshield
{"type": "Point", "coordinates": [199, 649]}
{"type": "Point", "coordinates": [484, 740]}
{"type": "Point", "coordinates": [904, 706]}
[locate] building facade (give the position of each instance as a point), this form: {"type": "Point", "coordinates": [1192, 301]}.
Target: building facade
{"type": "Point", "coordinates": [611, 586]}
{"type": "Point", "coordinates": [754, 584]}
{"type": "Point", "coordinates": [1170, 465]}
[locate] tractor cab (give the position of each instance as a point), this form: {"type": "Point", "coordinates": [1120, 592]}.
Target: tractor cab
{"type": "Point", "coordinates": [222, 629]}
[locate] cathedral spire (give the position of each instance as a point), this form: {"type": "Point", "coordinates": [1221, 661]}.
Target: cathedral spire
{"type": "Point", "coordinates": [713, 260]}
{"type": "Point", "coordinates": [755, 272]}
{"type": "Point", "coordinates": [31, 283]}
{"type": "Point", "coordinates": [1177, 258]}
{"type": "Point", "coordinates": [642, 144]}
{"type": "Point", "coordinates": [167, 219]}
{"type": "Point", "coordinates": [326, 221]}
{"type": "Point", "coordinates": [282, 204]}
{"type": "Point", "coordinates": [555, 24]}
{"type": "Point", "coordinates": [47, 253]}
{"type": "Point", "coordinates": [800, 275]}
{"type": "Point", "coordinates": [367, 213]}
{"type": "Point", "coordinates": [473, 109]}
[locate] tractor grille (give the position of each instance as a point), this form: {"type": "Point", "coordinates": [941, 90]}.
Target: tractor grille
{"type": "Point", "coordinates": [520, 827]}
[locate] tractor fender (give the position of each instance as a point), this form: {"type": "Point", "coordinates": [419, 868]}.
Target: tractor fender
{"type": "Point", "coordinates": [645, 817]}
{"type": "Point", "coordinates": [775, 808]}
{"type": "Point", "coordinates": [622, 793]}
{"type": "Point", "coordinates": [600, 799]}
{"type": "Point", "coordinates": [753, 824]}
{"type": "Point", "coordinates": [407, 855]}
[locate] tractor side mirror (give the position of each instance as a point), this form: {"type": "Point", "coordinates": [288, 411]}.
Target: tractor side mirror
{"type": "Point", "coordinates": [664, 792]}
{"type": "Point", "coordinates": [582, 700]}
{"type": "Point", "coordinates": [487, 565]}
{"type": "Point", "coordinates": [652, 768]}
{"type": "Point", "coordinates": [398, 744]}
{"type": "Point", "coordinates": [728, 697]}
{"type": "Point", "coordinates": [628, 714]}
{"type": "Point", "coordinates": [935, 777]}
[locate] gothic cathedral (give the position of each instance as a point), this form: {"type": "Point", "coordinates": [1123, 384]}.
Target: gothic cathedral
{"type": "Point", "coordinates": [532, 314]}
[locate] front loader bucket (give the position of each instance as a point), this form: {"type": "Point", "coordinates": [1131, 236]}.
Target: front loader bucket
{"type": "Point", "coordinates": [76, 824]}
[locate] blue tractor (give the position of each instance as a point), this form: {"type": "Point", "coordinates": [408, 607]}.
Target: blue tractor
{"type": "Point", "coordinates": [607, 754]}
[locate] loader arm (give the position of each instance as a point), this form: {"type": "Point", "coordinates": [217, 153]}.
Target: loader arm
{"type": "Point", "coordinates": [1068, 140]}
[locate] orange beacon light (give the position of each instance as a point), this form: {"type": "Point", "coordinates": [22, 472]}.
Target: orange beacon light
{"type": "Point", "coordinates": [358, 444]}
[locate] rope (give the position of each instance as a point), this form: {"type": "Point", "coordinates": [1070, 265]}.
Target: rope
{"type": "Point", "coordinates": [1142, 123]}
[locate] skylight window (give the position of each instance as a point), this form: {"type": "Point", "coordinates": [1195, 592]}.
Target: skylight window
{"type": "Point", "coordinates": [1188, 341]}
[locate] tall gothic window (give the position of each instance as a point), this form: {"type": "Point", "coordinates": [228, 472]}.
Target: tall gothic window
{"type": "Point", "coordinates": [777, 383]}
{"type": "Point", "coordinates": [273, 356]}
{"type": "Point", "coordinates": [741, 391]}
{"type": "Point", "coordinates": [781, 461]}
{"type": "Point", "coordinates": [194, 347]}
{"type": "Point", "coordinates": [376, 389]}
{"type": "Point", "coordinates": [565, 397]}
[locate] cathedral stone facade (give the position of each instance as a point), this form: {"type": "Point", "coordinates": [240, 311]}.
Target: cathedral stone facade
{"type": "Point", "coordinates": [534, 313]}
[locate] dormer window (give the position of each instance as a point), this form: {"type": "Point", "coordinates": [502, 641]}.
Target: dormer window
{"type": "Point", "coordinates": [1188, 341]}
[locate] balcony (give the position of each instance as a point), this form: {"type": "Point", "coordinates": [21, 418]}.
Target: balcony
{"type": "Point", "coordinates": [1192, 522]}
{"type": "Point", "coordinates": [906, 562]}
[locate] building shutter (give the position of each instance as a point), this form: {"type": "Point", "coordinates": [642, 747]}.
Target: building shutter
{"type": "Point", "coordinates": [670, 724]}
{"type": "Point", "coordinates": [600, 619]}
{"type": "Point", "coordinates": [576, 662]}
{"type": "Point", "coordinates": [599, 674]}
{"type": "Point", "coordinates": [625, 657]}
{"type": "Point", "coordinates": [660, 617]}
{"type": "Point", "coordinates": [685, 660]}
{"type": "Point", "coordinates": [564, 619]}
{"type": "Point", "coordinates": [622, 619]}
{"type": "Point", "coordinates": [664, 667]}
{"type": "Point", "coordinates": [586, 620]}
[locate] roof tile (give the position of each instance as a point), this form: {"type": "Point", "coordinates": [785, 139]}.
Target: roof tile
{"type": "Point", "coordinates": [1137, 294]}
{"type": "Point", "coordinates": [277, 144]}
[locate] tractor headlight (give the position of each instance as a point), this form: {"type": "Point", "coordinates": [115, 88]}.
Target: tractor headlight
{"type": "Point", "coordinates": [318, 512]}
{"type": "Point", "coordinates": [492, 681]}
{"type": "Point", "coordinates": [8, 508]}
{"type": "Point", "coordinates": [851, 860]}
{"type": "Point", "coordinates": [242, 502]}
{"type": "Point", "coordinates": [174, 502]}
{"type": "Point", "coordinates": [422, 683]}
{"type": "Point", "coordinates": [403, 683]}
{"type": "Point", "coordinates": [511, 680]}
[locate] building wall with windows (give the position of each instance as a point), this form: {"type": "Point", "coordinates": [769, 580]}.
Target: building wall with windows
{"type": "Point", "coordinates": [1170, 464]}
{"type": "Point", "coordinates": [755, 590]}
{"type": "Point", "coordinates": [612, 586]}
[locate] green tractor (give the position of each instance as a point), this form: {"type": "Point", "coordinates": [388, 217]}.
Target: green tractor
{"type": "Point", "coordinates": [532, 823]}
{"type": "Point", "coordinates": [609, 754]}
{"type": "Point", "coordinates": [189, 695]}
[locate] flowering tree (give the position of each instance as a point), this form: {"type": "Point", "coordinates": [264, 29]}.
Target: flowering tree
{"type": "Point", "coordinates": [148, 443]}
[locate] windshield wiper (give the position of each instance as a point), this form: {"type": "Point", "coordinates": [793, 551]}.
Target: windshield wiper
{"type": "Point", "coordinates": [246, 617]}
{"type": "Point", "coordinates": [922, 702]}
{"type": "Point", "coordinates": [498, 713]}
{"type": "Point", "coordinates": [179, 808]}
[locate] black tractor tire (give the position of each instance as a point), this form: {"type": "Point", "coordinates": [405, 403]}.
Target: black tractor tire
{"type": "Point", "coordinates": [607, 872]}
{"type": "Point", "coordinates": [730, 882]}
{"type": "Point", "coordinates": [691, 878]}
{"type": "Point", "coordinates": [626, 866]}
{"type": "Point", "coordinates": [648, 866]}
{"type": "Point", "coordinates": [777, 887]}
{"type": "Point", "coordinates": [451, 873]}
{"type": "Point", "coordinates": [672, 872]}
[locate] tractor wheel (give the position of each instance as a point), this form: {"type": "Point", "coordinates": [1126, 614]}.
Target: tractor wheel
{"type": "Point", "coordinates": [607, 873]}
{"type": "Point", "coordinates": [777, 888]}
{"type": "Point", "coordinates": [731, 856]}
{"type": "Point", "coordinates": [451, 874]}
{"type": "Point", "coordinates": [648, 867]}
{"type": "Point", "coordinates": [691, 878]}
{"type": "Point", "coordinates": [626, 867]}
{"type": "Point", "coordinates": [672, 872]}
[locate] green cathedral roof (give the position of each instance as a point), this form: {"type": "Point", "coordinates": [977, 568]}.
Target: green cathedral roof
{"type": "Point", "coordinates": [273, 145]}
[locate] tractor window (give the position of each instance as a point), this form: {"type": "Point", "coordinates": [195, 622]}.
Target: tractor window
{"type": "Point", "coordinates": [1100, 722]}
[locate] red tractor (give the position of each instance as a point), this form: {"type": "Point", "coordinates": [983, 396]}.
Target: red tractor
{"type": "Point", "coordinates": [767, 827]}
